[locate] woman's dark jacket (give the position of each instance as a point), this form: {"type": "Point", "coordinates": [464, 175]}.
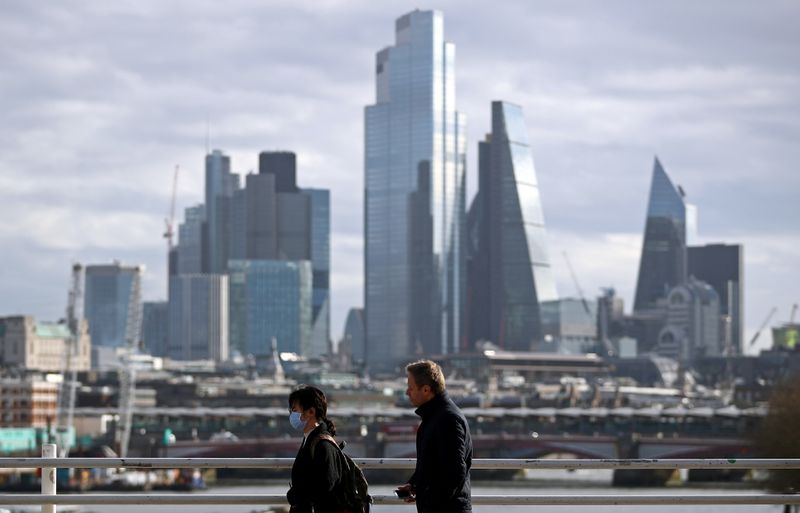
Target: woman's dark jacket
{"type": "Point", "coordinates": [444, 458]}
{"type": "Point", "coordinates": [313, 479]}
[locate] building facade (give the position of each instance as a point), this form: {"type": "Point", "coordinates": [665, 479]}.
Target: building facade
{"type": "Point", "coordinates": [112, 299]}
{"type": "Point", "coordinates": [220, 187]}
{"type": "Point", "coordinates": [722, 267]}
{"type": "Point", "coordinates": [190, 241]}
{"type": "Point", "coordinates": [198, 317]}
{"type": "Point", "coordinates": [509, 266]}
{"type": "Point", "coordinates": [354, 335]}
{"type": "Point", "coordinates": [155, 327]}
{"type": "Point", "coordinates": [569, 326]}
{"type": "Point", "coordinates": [663, 263]}
{"type": "Point", "coordinates": [28, 403]}
{"type": "Point", "coordinates": [692, 323]}
{"type": "Point", "coordinates": [42, 346]}
{"type": "Point", "coordinates": [321, 264]}
{"type": "Point", "coordinates": [270, 299]}
{"type": "Point", "coordinates": [414, 198]}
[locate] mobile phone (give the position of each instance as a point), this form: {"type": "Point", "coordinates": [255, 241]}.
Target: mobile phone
{"type": "Point", "coordinates": [402, 493]}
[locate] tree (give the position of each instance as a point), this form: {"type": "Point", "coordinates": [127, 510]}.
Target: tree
{"type": "Point", "coordinates": [779, 434]}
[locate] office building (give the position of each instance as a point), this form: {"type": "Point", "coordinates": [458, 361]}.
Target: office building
{"type": "Point", "coordinates": [155, 327]}
{"type": "Point", "coordinates": [112, 302]}
{"type": "Point", "coordinates": [722, 267]}
{"type": "Point", "coordinates": [509, 268]}
{"type": "Point", "coordinates": [353, 336]}
{"type": "Point", "coordinates": [270, 299]}
{"type": "Point", "coordinates": [663, 262]}
{"type": "Point", "coordinates": [569, 326]}
{"type": "Point", "coordinates": [220, 187]}
{"type": "Point", "coordinates": [692, 322]}
{"type": "Point", "coordinates": [321, 265]}
{"type": "Point", "coordinates": [198, 317]}
{"type": "Point", "coordinates": [414, 198]}
{"type": "Point", "coordinates": [190, 241]}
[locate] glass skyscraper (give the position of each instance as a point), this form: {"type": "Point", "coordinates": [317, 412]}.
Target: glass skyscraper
{"type": "Point", "coordinates": [321, 262]}
{"type": "Point", "coordinates": [112, 296]}
{"type": "Point", "coordinates": [198, 317]}
{"type": "Point", "coordinates": [220, 187]}
{"type": "Point", "coordinates": [414, 198]}
{"type": "Point", "coordinates": [510, 274]}
{"type": "Point", "coordinates": [270, 299]}
{"type": "Point", "coordinates": [663, 264]}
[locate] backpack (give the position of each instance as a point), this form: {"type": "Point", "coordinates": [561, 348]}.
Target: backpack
{"type": "Point", "coordinates": [352, 492]}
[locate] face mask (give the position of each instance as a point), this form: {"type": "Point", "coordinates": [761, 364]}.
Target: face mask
{"type": "Point", "coordinates": [295, 421]}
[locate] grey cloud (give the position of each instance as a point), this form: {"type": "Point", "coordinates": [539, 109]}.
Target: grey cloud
{"type": "Point", "coordinates": [102, 99]}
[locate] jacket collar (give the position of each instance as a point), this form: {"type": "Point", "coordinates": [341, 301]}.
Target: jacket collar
{"type": "Point", "coordinates": [436, 403]}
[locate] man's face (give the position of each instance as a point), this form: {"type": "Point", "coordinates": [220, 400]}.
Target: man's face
{"type": "Point", "coordinates": [418, 395]}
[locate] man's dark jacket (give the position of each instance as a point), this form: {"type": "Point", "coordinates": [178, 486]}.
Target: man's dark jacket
{"type": "Point", "coordinates": [444, 458]}
{"type": "Point", "coordinates": [314, 478]}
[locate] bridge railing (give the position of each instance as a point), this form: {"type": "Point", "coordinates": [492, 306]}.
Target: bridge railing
{"type": "Point", "coordinates": [48, 498]}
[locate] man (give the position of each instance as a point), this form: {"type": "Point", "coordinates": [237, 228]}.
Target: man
{"type": "Point", "coordinates": [440, 483]}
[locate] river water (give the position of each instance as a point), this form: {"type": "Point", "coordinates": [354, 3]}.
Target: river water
{"type": "Point", "coordinates": [589, 483]}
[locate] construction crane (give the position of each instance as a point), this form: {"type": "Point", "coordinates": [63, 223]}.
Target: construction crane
{"type": "Point", "coordinates": [169, 222]}
{"type": "Point", "coordinates": [67, 390]}
{"type": "Point", "coordinates": [127, 373]}
{"type": "Point", "coordinates": [609, 348]}
{"type": "Point", "coordinates": [763, 325]}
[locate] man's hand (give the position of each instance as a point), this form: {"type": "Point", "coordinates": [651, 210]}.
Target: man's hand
{"type": "Point", "coordinates": [406, 492]}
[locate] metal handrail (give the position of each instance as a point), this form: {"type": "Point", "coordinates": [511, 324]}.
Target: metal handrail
{"type": "Point", "coordinates": [48, 499]}
{"type": "Point", "coordinates": [497, 500]}
{"type": "Point", "coordinates": [408, 463]}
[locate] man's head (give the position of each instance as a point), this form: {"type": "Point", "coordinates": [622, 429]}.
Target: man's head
{"type": "Point", "coordinates": [425, 381]}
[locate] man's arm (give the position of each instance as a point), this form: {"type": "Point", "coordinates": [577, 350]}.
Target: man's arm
{"type": "Point", "coordinates": [452, 452]}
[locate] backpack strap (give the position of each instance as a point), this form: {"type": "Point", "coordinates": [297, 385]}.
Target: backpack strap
{"type": "Point", "coordinates": [323, 436]}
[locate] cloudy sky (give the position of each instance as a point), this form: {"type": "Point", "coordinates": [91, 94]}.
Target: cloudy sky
{"type": "Point", "coordinates": [100, 100]}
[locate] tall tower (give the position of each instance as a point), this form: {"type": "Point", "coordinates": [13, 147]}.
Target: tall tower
{"type": "Point", "coordinates": [220, 187]}
{"type": "Point", "coordinates": [510, 274]}
{"type": "Point", "coordinates": [110, 292]}
{"type": "Point", "coordinates": [414, 167]}
{"type": "Point", "coordinates": [663, 264]}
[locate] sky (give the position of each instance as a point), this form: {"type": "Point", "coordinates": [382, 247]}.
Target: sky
{"type": "Point", "coordinates": [100, 100]}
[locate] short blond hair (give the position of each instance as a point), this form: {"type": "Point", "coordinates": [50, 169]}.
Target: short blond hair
{"type": "Point", "coordinates": [427, 372]}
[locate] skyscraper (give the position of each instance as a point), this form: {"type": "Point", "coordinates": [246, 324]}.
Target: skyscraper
{"type": "Point", "coordinates": [198, 317]}
{"type": "Point", "coordinates": [510, 274]}
{"type": "Point", "coordinates": [111, 299]}
{"type": "Point", "coordinates": [321, 264]}
{"type": "Point", "coordinates": [190, 240]}
{"type": "Point", "coordinates": [220, 187]}
{"type": "Point", "coordinates": [270, 299]}
{"type": "Point", "coordinates": [663, 262]}
{"type": "Point", "coordinates": [722, 267]}
{"type": "Point", "coordinates": [414, 199]}
{"type": "Point", "coordinates": [155, 327]}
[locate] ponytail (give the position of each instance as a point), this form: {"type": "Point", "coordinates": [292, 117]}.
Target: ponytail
{"type": "Point", "coordinates": [331, 426]}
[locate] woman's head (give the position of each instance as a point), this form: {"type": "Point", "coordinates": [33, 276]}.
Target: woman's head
{"type": "Point", "coordinates": [311, 400]}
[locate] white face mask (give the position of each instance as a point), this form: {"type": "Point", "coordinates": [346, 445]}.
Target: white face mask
{"type": "Point", "coordinates": [296, 422]}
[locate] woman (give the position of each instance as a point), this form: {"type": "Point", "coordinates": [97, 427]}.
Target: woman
{"type": "Point", "coordinates": [317, 469]}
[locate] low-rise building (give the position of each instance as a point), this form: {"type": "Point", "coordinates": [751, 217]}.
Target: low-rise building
{"type": "Point", "coordinates": [41, 346]}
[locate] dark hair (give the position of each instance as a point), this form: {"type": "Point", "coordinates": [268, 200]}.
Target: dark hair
{"type": "Point", "coordinates": [312, 397]}
{"type": "Point", "coordinates": [427, 372]}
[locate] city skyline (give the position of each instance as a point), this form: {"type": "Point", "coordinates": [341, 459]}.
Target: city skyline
{"type": "Point", "coordinates": [98, 119]}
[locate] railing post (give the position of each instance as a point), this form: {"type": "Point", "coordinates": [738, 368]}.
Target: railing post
{"type": "Point", "coordinates": [49, 477]}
